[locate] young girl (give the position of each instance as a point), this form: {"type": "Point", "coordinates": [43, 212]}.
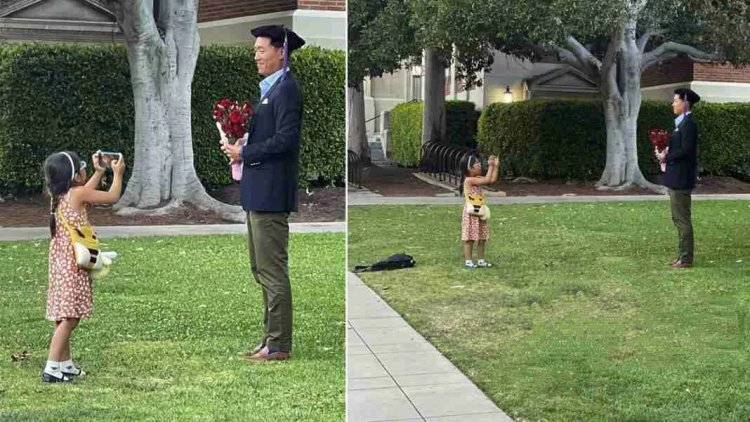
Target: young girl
{"type": "Point", "coordinates": [69, 296]}
{"type": "Point", "coordinates": [474, 229]}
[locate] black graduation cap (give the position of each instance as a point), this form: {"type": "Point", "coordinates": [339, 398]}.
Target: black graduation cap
{"type": "Point", "coordinates": [277, 33]}
{"type": "Point", "coordinates": [688, 94]}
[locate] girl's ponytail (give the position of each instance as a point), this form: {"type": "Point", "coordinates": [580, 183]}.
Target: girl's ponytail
{"type": "Point", "coordinates": [54, 201]}
{"type": "Point", "coordinates": [59, 171]}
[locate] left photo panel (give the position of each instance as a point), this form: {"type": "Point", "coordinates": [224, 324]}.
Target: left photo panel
{"type": "Point", "coordinates": [172, 210]}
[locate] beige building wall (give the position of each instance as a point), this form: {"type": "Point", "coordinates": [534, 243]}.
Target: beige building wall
{"type": "Point", "coordinates": [323, 28]}
{"type": "Point", "coordinates": [384, 93]}
{"type": "Point", "coordinates": [710, 92]}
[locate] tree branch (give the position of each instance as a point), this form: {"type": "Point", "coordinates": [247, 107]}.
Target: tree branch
{"type": "Point", "coordinates": [183, 21]}
{"type": "Point", "coordinates": [671, 49]}
{"type": "Point", "coordinates": [136, 20]}
{"type": "Point", "coordinates": [643, 40]}
{"type": "Point", "coordinates": [568, 57]}
{"type": "Point", "coordinates": [582, 54]}
{"type": "Point", "coordinates": [615, 44]}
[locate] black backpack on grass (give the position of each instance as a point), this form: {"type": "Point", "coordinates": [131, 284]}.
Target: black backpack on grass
{"type": "Point", "coordinates": [393, 262]}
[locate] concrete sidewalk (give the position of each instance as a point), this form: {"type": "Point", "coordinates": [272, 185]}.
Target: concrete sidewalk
{"type": "Point", "coordinates": [32, 233]}
{"type": "Point", "coordinates": [394, 374]}
{"type": "Point", "coordinates": [368, 198]}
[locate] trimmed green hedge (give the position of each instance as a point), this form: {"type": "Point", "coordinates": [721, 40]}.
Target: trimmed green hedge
{"type": "Point", "coordinates": [75, 97]}
{"type": "Point", "coordinates": [544, 139]}
{"type": "Point", "coordinates": [406, 129]}
{"type": "Point", "coordinates": [406, 133]}
{"type": "Point", "coordinates": [567, 139]}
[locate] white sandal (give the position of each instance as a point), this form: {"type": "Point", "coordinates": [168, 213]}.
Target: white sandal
{"type": "Point", "coordinates": [483, 264]}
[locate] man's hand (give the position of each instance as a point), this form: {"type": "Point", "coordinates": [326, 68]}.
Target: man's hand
{"type": "Point", "coordinates": [232, 151]}
{"type": "Point", "coordinates": [661, 155]}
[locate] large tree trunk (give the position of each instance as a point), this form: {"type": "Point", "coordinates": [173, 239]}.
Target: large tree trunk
{"type": "Point", "coordinates": [621, 92]}
{"type": "Point", "coordinates": [434, 120]}
{"type": "Point", "coordinates": [620, 83]}
{"type": "Point", "coordinates": [357, 133]}
{"type": "Point", "coordinates": [162, 57]}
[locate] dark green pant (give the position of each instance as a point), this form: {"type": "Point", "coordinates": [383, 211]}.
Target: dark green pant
{"type": "Point", "coordinates": [268, 242]}
{"type": "Point", "coordinates": [680, 203]}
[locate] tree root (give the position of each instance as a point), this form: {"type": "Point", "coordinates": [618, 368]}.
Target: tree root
{"type": "Point", "coordinates": [169, 208]}
{"type": "Point", "coordinates": [603, 187]}
{"type": "Point", "coordinates": [653, 187]}
{"type": "Point", "coordinates": [639, 181]}
{"type": "Point", "coordinates": [200, 200]}
{"type": "Point", "coordinates": [205, 202]}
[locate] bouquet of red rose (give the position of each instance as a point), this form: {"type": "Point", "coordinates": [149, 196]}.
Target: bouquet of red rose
{"type": "Point", "coordinates": [659, 138]}
{"type": "Point", "coordinates": [231, 120]}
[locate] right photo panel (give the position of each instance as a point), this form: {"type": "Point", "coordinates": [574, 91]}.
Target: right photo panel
{"type": "Point", "coordinates": [547, 210]}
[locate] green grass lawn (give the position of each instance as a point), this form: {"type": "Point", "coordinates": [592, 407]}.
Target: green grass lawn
{"type": "Point", "coordinates": [170, 323]}
{"type": "Point", "coordinates": [580, 319]}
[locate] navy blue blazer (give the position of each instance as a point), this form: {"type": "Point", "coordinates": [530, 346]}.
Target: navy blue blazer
{"type": "Point", "coordinates": [682, 163]}
{"type": "Point", "coordinates": [271, 156]}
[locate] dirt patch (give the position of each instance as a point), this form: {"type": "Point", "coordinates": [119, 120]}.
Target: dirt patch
{"type": "Point", "coordinates": [316, 205]}
{"type": "Point", "coordinates": [396, 181]}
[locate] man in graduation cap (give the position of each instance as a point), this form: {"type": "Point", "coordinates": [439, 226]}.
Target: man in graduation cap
{"type": "Point", "coordinates": [270, 170]}
{"type": "Point", "coordinates": [681, 172]}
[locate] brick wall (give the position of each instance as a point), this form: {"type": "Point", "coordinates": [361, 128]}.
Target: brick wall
{"type": "Point", "coordinates": [720, 73]}
{"type": "Point", "coordinates": [322, 4]}
{"type": "Point", "coordinates": [682, 69]}
{"type": "Point", "coordinates": [212, 10]}
{"type": "Point", "coordinates": [669, 72]}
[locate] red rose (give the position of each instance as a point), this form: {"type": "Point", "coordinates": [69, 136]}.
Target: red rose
{"type": "Point", "coordinates": [659, 138]}
{"type": "Point", "coordinates": [235, 117]}
{"type": "Point", "coordinates": [225, 102]}
{"type": "Point", "coordinates": [247, 109]}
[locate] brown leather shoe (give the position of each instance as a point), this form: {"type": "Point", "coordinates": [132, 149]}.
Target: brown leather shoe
{"type": "Point", "coordinates": [674, 261]}
{"type": "Point", "coordinates": [255, 351]}
{"type": "Point", "coordinates": [680, 264]}
{"type": "Point", "coordinates": [265, 355]}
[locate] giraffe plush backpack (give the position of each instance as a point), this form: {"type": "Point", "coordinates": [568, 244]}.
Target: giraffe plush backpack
{"type": "Point", "coordinates": [475, 206]}
{"type": "Point", "coordinates": [87, 249]}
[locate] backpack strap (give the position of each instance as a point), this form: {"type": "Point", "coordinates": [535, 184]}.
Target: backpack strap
{"type": "Point", "coordinates": [66, 223]}
{"type": "Point", "coordinates": [361, 268]}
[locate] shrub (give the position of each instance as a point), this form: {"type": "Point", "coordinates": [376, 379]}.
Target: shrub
{"type": "Point", "coordinates": [406, 133]}
{"type": "Point", "coordinates": [77, 97]}
{"type": "Point", "coordinates": [567, 139]}
{"type": "Point", "coordinates": [406, 129]}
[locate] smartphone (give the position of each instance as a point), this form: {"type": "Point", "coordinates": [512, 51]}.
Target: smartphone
{"type": "Point", "coordinates": [106, 158]}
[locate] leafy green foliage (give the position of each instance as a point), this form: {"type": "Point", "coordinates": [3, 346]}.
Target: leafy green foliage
{"type": "Point", "coordinates": [567, 139]}
{"type": "Point", "coordinates": [406, 129]}
{"type": "Point", "coordinates": [380, 38]}
{"type": "Point", "coordinates": [545, 139]}
{"type": "Point", "coordinates": [55, 97]}
{"type": "Point", "coordinates": [461, 122]}
{"type": "Point", "coordinates": [406, 133]}
{"type": "Point", "coordinates": [530, 28]}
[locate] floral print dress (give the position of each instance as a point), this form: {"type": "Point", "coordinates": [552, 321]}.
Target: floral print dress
{"type": "Point", "coordinates": [69, 292]}
{"type": "Point", "coordinates": [472, 227]}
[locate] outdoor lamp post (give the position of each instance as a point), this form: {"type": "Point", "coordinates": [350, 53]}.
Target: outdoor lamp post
{"type": "Point", "coordinates": [507, 95]}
